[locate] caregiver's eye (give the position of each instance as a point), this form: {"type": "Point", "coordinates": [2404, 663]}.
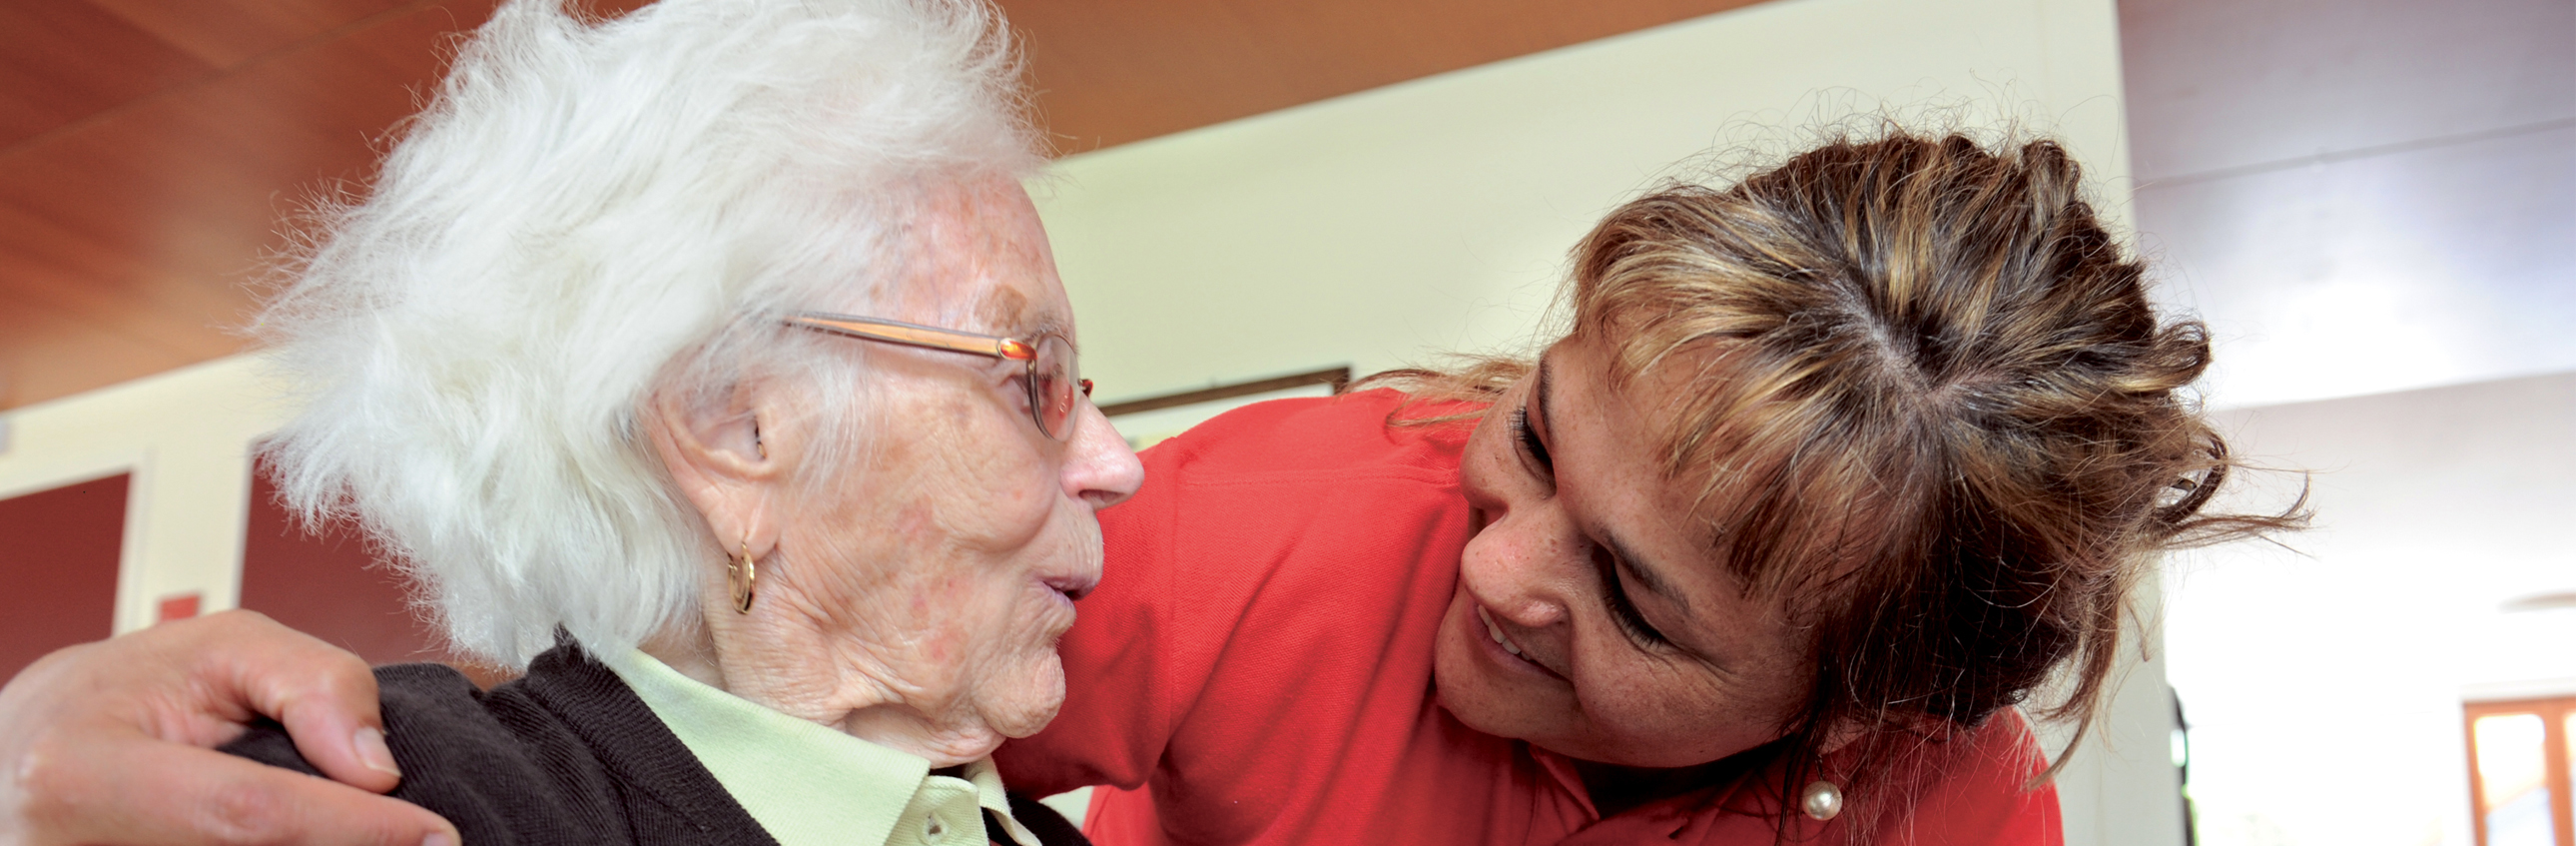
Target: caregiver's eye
{"type": "Point", "coordinates": [1614, 595]}
{"type": "Point", "coordinates": [1529, 441]}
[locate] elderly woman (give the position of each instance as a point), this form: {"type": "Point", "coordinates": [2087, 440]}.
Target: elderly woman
{"type": "Point", "coordinates": [712, 364]}
{"type": "Point", "coordinates": [1836, 465]}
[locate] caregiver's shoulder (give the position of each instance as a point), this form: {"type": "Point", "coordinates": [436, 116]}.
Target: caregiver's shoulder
{"type": "Point", "coordinates": [1378, 431]}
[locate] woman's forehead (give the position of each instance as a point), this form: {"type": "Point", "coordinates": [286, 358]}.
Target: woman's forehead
{"type": "Point", "coordinates": [1626, 431]}
{"type": "Point", "coordinates": [983, 264]}
{"type": "Point", "coordinates": [1610, 439]}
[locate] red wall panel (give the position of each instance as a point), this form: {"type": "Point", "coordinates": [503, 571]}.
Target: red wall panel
{"type": "Point", "coordinates": [58, 559]}
{"type": "Point", "coordinates": [328, 585]}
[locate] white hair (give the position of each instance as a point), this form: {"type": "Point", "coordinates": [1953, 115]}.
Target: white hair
{"type": "Point", "coordinates": [586, 213]}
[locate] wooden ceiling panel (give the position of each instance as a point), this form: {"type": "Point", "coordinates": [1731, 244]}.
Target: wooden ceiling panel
{"type": "Point", "coordinates": [68, 271]}
{"type": "Point", "coordinates": [150, 148]}
{"type": "Point", "coordinates": [225, 33]}
{"type": "Point", "coordinates": [104, 356]}
{"type": "Point", "coordinates": [144, 226]}
{"type": "Point", "coordinates": [1109, 72]}
{"type": "Point", "coordinates": [64, 60]}
{"type": "Point", "coordinates": [104, 312]}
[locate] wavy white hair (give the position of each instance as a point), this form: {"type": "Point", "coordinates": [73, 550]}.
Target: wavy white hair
{"type": "Point", "coordinates": [588, 212]}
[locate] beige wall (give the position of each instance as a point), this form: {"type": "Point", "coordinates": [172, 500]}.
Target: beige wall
{"type": "Point", "coordinates": [1379, 228]}
{"type": "Point", "coordinates": [1373, 230]}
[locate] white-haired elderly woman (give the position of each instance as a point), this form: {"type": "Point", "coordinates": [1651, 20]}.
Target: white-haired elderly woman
{"type": "Point", "coordinates": [711, 364]}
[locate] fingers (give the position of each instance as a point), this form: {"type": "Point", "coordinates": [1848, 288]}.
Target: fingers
{"type": "Point", "coordinates": [324, 695]}
{"type": "Point", "coordinates": [103, 743]}
{"type": "Point", "coordinates": [163, 794]}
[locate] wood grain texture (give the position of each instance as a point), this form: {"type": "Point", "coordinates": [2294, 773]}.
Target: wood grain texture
{"type": "Point", "coordinates": [225, 33]}
{"type": "Point", "coordinates": [63, 60]}
{"type": "Point", "coordinates": [1109, 72]}
{"type": "Point", "coordinates": [150, 149]}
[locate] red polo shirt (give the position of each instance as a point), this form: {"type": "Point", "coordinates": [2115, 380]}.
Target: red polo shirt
{"type": "Point", "coordinates": [1256, 669]}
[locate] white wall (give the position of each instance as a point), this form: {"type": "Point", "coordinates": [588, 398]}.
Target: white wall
{"type": "Point", "coordinates": [2324, 681]}
{"type": "Point", "coordinates": [2360, 195]}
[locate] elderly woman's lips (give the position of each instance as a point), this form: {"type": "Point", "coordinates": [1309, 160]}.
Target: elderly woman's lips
{"type": "Point", "coordinates": [1073, 587]}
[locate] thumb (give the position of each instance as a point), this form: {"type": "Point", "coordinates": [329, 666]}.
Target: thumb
{"type": "Point", "coordinates": [149, 793]}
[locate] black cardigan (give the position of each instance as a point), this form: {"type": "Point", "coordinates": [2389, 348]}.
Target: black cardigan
{"type": "Point", "coordinates": [566, 754]}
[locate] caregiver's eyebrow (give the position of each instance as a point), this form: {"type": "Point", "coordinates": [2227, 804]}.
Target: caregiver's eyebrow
{"type": "Point", "coordinates": [1644, 574]}
{"type": "Point", "coordinates": [1546, 387]}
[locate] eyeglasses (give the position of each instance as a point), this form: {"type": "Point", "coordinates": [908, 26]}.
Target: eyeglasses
{"type": "Point", "coordinates": [1052, 378]}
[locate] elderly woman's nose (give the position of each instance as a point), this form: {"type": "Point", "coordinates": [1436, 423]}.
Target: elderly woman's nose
{"type": "Point", "coordinates": [1100, 467]}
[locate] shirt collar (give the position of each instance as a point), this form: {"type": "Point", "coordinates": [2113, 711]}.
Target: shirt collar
{"type": "Point", "coordinates": [809, 784]}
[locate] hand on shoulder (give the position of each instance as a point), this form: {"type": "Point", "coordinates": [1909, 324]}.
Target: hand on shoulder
{"type": "Point", "coordinates": [112, 742]}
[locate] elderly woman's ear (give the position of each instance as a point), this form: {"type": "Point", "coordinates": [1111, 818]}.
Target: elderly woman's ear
{"type": "Point", "coordinates": [731, 459]}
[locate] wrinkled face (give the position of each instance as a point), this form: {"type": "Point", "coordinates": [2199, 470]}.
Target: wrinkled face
{"type": "Point", "coordinates": [1592, 617]}
{"type": "Point", "coordinates": [943, 566]}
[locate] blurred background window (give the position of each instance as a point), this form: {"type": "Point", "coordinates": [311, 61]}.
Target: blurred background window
{"type": "Point", "coordinates": [2518, 759]}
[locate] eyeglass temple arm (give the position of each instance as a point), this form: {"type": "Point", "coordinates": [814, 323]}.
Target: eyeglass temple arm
{"type": "Point", "coordinates": [911, 334]}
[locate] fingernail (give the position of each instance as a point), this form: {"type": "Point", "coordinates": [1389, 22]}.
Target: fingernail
{"type": "Point", "coordinates": [372, 752]}
{"type": "Point", "coordinates": [438, 838]}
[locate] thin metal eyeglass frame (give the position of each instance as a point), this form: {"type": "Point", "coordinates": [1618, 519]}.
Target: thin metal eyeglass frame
{"type": "Point", "coordinates": [951, 340]}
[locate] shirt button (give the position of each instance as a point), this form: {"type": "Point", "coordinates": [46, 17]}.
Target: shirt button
{"type": "Point", "coordinates": [933, 831]}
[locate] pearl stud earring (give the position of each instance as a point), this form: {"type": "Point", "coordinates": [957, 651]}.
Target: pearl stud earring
{"type": "Point", "coordinates": [1822, 801]}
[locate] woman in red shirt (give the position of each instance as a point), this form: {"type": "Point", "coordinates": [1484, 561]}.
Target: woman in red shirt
{"type": "Point", "coordinates": [1835, 465]}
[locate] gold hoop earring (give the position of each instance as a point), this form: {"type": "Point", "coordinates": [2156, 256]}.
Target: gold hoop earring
{"type": "Point", "coordinates": [1821, 801]}
{"type": "Point", "coordinates": [744, 577]}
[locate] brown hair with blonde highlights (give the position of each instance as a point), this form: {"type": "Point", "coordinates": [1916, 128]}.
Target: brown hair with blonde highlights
{"type": "Point", "coordinates": [1930, 407]}
{"type": "Point", "coordinates": [1936, 412]}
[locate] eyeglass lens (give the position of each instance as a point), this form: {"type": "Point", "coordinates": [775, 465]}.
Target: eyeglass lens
{"type": "Point", "coordinates": [1053, 387]}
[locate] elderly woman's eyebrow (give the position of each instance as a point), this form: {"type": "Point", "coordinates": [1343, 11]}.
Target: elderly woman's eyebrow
{"type": "Point", "coordinates": [1004, 309]}
{"type": "Point", "coordinates": [1009, 312]}
{"type": "Point", "coordinates": [1045, 323]}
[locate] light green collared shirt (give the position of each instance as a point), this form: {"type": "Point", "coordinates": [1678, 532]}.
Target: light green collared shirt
{"type": "Point", "coordinates": [813, 786]}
